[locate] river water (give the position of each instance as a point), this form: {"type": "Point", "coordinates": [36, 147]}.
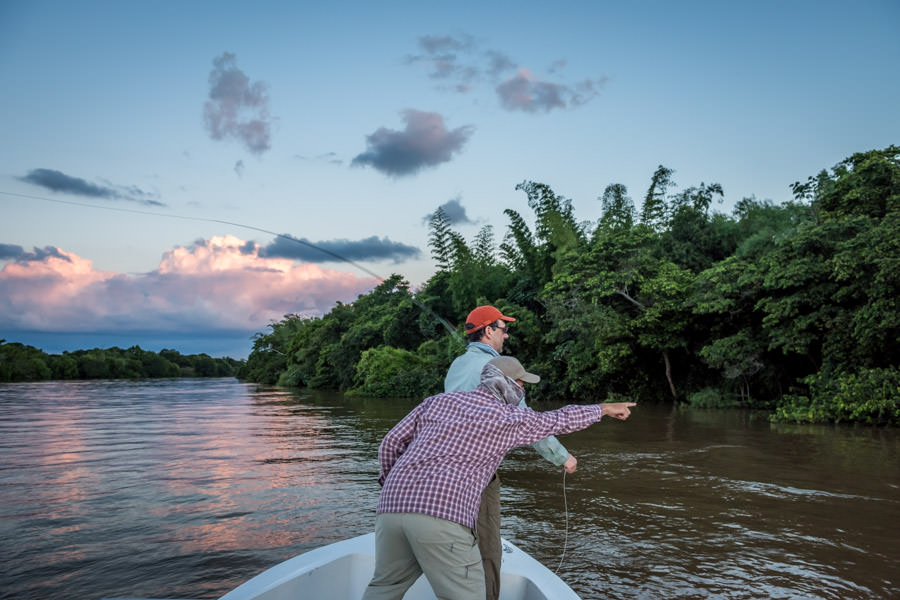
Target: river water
{"type": "Point", "coordinates": [186, 488]}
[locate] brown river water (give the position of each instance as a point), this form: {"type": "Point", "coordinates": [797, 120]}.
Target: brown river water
{"type": "Point", "coordinates": [186, 488]}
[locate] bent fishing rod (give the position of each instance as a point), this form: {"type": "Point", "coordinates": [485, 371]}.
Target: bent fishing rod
{"type": "Point", "coordinates": [453, 332]}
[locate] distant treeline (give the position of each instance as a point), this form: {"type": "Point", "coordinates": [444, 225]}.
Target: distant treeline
{"type": "Point", "coordinates": [792, 308]}
{"type": "Point", "coordinates": [19, 362]}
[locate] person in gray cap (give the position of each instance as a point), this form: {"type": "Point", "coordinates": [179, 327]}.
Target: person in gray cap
{"type": "Point", "coordinates": [434, 464]}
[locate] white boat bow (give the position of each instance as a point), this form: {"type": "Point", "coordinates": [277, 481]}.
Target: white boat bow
{"type": "Point", "coordinates": [343, 569]}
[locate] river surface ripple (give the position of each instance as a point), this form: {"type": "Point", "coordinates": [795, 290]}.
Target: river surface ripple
{"type": "Point", "coordinates": [186, 488]}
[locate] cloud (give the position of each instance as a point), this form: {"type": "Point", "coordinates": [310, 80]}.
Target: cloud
{"type": "Point", "coordinates": [213, 286]}
{"type": "Point", "coordinates": [455, 212]}
{"type": "Point", "coordinates": [441, 53]}
{"type": "Point", "coordinates": [57, 181]}
{"type": "Point", "coordinates": [369, 249]}
{"type": "Point", "coordinates": [459, 64]}
{"type": "Point", "coordinates": [526, 93]}
{"type": "Point", "coordinates": [498, 64]}
{"type": "Point", "coordinates": [236, 108]}
{"type": "Point", "coordinates": [239, 168]}
{"type": "Point", "coordinates": [17, 253]}
{"type": "Point", "coordinates": [444, 45]}
{"type": "Point", "coordinates": [557, 65]}
{"type": "Point", "coordinates": [425, 142]}
{"type": "Point", "coordinates": [326, 157]}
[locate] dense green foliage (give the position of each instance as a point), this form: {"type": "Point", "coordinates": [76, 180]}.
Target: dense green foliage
{"type": "Point", "coordinates": [791, 308]}
{"type": "Point", "coordinates": [19, 362]}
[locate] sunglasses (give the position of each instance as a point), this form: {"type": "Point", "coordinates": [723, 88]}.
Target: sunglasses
{"type": "Point", "coordinates": [503, 329]}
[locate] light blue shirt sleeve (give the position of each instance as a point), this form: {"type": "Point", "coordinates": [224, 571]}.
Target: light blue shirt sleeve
{"type": "Point", "coordinates": [550, 448]}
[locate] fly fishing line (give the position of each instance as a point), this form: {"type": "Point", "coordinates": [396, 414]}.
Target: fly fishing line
{"type": "Point", "coordinates": [455, 334]}
{"type": "Point", "coordinates": [566, 538]}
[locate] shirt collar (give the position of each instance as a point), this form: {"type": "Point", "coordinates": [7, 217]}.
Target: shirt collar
{"type": "Point", "coordinates": [483, 347]}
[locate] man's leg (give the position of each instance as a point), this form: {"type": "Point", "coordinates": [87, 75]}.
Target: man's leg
{"type": "Point", "coordinates": [396, 568]}
{"type": "Point", "coordinates": [448, 554]}
{"type": "Point", "coordinates": [489, 538]}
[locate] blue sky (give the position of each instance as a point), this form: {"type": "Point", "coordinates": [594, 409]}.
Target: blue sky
{"type": "Point", "coordinates": [137, 138]}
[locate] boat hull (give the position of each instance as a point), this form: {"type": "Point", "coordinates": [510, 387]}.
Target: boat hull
{"type": "Point", "coordinates": [343, 569]}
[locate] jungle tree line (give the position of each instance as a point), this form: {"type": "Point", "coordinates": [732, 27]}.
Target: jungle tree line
{"type": "Point", "coordinates": [19, 362]}
{"type": "Point", "coordinates": [791, 308]}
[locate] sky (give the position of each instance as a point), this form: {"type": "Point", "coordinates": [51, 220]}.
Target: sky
{"type": "Point", "coordinates": [183, 174]}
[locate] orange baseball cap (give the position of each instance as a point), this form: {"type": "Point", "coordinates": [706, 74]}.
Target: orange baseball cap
{"type": "Point", "coordinates": [483, 316]}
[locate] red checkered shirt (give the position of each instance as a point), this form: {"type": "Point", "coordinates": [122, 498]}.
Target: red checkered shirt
{"type": "Point", "coordinates": [438, 458]}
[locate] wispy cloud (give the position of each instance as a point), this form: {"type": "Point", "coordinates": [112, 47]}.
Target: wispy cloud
{"type": "Point", "coordinates": [426, 142]}
{"type": "Point", "coordinates": [214, 285]}
{"type": "Point", "coordinates": [368, 249]}
{"type": "Point", "coordinates": [455, 212]}
{"type": "Point", "coordinates": [57, 181]}
{"type": "Point", "coordinates": [442, 55]}
{"type": "Point", "coordinates": [325, 157]}
{"type": "Point", "coordinates": [460, 65]}
{"type": "Point", "coordinates": [236, 107]}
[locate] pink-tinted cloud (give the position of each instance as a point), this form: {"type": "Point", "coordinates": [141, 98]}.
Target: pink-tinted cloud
{"type": "Point", "coordinates": [460, 64]}
{"type": "Point", "coordinates": [215, 285]}
{"type": "Point", "coordinates": [527, 93]}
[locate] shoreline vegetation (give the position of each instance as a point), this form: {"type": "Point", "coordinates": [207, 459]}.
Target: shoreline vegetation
{"type": "Point", "coordinates": [19, 363]}
{"type": "Point", "coordinates": [792, 309]}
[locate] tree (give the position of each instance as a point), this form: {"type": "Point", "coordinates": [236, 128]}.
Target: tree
{"type": "Point", "coordinates": [618, 208]}
{"type": "Point", "coordinates": [645, 295]}
{"type": "Point", "coordinates": [653, 212]}
{"type": "Point", "coordinates": [694, 239]}
{"type": "Point", "coordinates": [866, 183]}
{"type": "Point", "coordinates": [439, 239]}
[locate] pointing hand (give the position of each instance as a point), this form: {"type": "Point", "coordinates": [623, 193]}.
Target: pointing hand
{"type": "Point", "coordinates": [617, 410]}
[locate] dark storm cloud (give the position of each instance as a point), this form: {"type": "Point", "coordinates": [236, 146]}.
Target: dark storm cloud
{"type": "Point", "coordinates": [425, 142]}
{"type": "Point", "coordinates": [236, 108]}
{"type": "Point", "coordinates": [56, 181]}
{"type": "Point", "coordinates": [17, 253]}
{"type": "Point", "coordinates": [460, 65]}
{"type": "Point", "coordinates": [455, 212]}
{"type": "Point", "coordinates": [368, 249]}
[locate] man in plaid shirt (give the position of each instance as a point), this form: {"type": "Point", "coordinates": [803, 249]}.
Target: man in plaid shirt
{"type": "Point", "coordinates": [435, 463]}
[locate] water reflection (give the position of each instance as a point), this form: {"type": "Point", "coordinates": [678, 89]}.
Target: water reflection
{"type": "Point", "coordinates": [186, 488]}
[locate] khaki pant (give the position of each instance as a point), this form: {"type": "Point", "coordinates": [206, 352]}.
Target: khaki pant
{"type": "Point", "coordinates": [409, 544]}
{"type": "Point", "coordinates": [489, 537]}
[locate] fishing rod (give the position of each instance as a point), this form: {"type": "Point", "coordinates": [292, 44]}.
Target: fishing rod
{"type": "Point", "coordinates": [453, 332]}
